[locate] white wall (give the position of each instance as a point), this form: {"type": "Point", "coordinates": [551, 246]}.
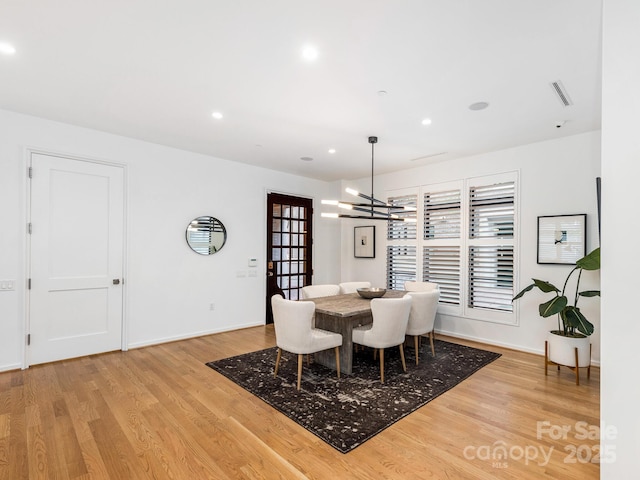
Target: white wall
{"type": "Point", "coordinates": [556, 177]}
{"type": "Point", "coordinates": [620, 265]}
{"type": "Point", "coordinates": [168, 287]}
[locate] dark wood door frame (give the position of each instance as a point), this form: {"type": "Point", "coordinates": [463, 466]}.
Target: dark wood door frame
{"type": "Point", "coordinates": [289, 246]}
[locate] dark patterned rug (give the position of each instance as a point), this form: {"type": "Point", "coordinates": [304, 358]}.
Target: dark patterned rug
{"type": "Point", "coordinates": [348, 411]}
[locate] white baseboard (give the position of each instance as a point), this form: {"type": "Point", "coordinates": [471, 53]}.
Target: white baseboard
{"type": "Point", "coordinates": [511, 346]}
{"type": "Point", "coordinates": [11, 366]}
{"type": "Point", "coordinates": [158, 341]}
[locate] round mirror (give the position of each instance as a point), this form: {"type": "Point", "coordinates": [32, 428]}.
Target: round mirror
{"type": "Point", "coordinates": [206, 235]}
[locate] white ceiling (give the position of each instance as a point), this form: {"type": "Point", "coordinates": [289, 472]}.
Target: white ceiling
{"type": "Point", "coordinates": [156, 69]}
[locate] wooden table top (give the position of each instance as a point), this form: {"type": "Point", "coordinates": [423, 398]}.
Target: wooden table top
{"type": "Point", "coordinates": [349, 304]}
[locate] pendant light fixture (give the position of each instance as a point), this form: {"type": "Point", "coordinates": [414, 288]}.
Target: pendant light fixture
{"type": "Point", "coordinates": [374, 209]}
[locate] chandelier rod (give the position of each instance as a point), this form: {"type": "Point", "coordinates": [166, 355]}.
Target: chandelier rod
{"type": "Point", "coordinates": [372, 141]}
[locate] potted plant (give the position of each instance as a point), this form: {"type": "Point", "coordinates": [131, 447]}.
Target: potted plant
{"type": "Point", "coordinates": [573, 327]}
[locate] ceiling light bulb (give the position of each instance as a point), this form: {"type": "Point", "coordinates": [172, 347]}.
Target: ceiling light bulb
{"type": "Point", "coordinates": [329, 202]}
{"type": "Point", "coordinates": [216, 115]}
{"type": "Point", "coordinates": [329, 215]}
{"type": "Point", "coordinates": [426, 121]}
{"type": "Point", "coordinates": [345, 206]}
{"type": "Point", "coordinates": [310, 53]}
{"type": "Point", "coordinates": [351, 191]}
{"type": "Point", "coordinates": [7, 48]}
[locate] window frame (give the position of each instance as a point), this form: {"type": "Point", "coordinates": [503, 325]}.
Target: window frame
{"type": "Point", "coordinates": [464, 242]}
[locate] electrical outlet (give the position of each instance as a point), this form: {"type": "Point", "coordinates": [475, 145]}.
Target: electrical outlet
{"type": "Point", "coordinates": [7, 285]}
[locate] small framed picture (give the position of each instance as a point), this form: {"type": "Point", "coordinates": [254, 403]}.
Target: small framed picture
{"type": "Point", "coordinates": [364, 242]}
{"type": "Point", "coordinates": [562, 238]}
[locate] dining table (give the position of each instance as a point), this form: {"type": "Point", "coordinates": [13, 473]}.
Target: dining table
{"type": "Point", "coordinates": [341, 314]}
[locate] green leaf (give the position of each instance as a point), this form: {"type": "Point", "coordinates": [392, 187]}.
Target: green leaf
{"type": "Point", "coordinates": [574, 318]}
{"type": "Point", "coordinates": [591, 261]}
{"type": "Point", "coordinates": [523, 292]}
{"type": "Point", "coordinates": [546, 287]}
{"type": "Point", "coordinates": [553, 306]}
{"type": "Point", "coordinates": [590, 293]}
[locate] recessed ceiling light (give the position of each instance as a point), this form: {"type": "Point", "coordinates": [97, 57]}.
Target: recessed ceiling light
{"type": "Point", "coordinates": [216, 115]}
{"type": "Point", "coordinates": [332, 151]}
{"type": "Point", "coordinates": [382, 93]}
{"type": "Point", "coordinates": [7, 48]}
{"type": "Point", "coordinates": [478, 106]}
{"type": "Point", "coordinates": [426, 121]}
{"type": "Point", "coordinates": [306, 159]}
{"type": "Point", "coordinates": [309, 53]}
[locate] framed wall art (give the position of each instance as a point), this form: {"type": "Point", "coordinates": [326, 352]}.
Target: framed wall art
{"type": "Point", "coordinates": [364, 242]}
{"type": "Point", "coordinates": [562, 239]}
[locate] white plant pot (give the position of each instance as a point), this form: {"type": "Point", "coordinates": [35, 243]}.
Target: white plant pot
{"type": "Point", "coordinates": [562, 350]}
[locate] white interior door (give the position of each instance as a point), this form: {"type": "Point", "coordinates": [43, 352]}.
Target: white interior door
{"type": "Point", "coordinates": [77, 219]}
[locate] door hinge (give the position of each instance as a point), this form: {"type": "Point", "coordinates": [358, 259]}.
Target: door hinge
{"type": "Point", "coordinates": [29, 284]}
{"type": "Point", "coordinates": [30, 172]}
{"type": "Point", "coordinates": [29, 228]}
{"type": "Point", "coordinates": [28, 339]}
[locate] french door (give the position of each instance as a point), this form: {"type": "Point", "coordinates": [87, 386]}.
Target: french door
{"type": "Point", "coordinates": [289, 243]}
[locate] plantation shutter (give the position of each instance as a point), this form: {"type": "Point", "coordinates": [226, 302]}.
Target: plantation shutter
{"type": "Point", "coordinates": [491, 210]}
{"type": "Point", "coordinates": [442, 215]}
{"type": "Point", "coordinates": [441, 250]}
{"type": "Point", "coordinates": [441, 265]}
{"type": "Point", "coordinates": [491, 277]}
{"type": "Point", "coordinates": [491, 229]}
{"type": "Point", "coordinates": [399, 229]}
{"type": "Point", "coordinates": [401, 265]}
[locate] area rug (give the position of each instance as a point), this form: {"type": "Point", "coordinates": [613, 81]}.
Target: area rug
{"type": "Point", "coordinates": [348, 411]}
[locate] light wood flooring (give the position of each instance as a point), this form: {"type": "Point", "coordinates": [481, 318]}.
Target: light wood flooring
{"type": "Point", "coordinates": [159, 412]}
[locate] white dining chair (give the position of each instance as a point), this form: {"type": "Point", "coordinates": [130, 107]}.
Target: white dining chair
{"type": "Point", "coordinates": [294, 332]}
{"type": "Point", "coordinates": [390, 318]}
{"type": "Point", "coordinates": [424, 306]}
{"type": "Point", "coordinates": [315, 291]}
{"type": "Point", "coordinates": [420, 286]}
{"type": "Point", "coordinates": [352, 287]}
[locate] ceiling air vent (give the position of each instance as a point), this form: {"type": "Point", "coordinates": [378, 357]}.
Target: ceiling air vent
{"type": "Point", "coordinates": [561, 92]}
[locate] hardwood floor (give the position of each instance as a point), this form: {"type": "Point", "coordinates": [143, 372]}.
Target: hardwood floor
{"type": "Point", "coordinates": [159, 412]}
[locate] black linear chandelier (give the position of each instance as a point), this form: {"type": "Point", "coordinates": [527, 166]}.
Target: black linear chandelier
{"type": "Point", "coordinates": [375, 209]}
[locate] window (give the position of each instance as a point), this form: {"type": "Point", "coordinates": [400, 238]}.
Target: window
{"type": "Point", "coordinates": [441, 234]}
{"type": "Point", "coordinates": [442, 212]}
{"type": "Point", "coordinates": [491, 209]}
{"type": "Point", "coordinates": [441, 265]}
{"type": "Point", "coordinates": [401, 238]}
{"type": "Point", "coordinates": [401, 265]}
{"type": "Point", "coordinates": [400, 229]}
{"type": "Point", "coordinates": [491, 228]}
{"type": "Point", "coordinates": [491, 277]}
{"type": "Point", "coordinates": [467, 245]}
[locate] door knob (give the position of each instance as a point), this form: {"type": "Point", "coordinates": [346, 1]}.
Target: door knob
{"type": "Point", "coordinates": [116, 281]}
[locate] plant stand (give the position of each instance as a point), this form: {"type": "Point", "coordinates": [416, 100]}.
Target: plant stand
{"type": "Point", "coordinates": [576, 369]}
